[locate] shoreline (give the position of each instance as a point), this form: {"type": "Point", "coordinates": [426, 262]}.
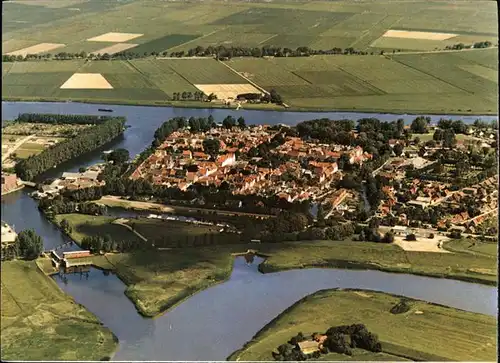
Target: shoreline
{"type": "Point", "coordinates": [367, 266]}
{"type": "Point", "coordinates": [69, 297]}
{"type": "Point", "coordinates": [207, 105]}
{"type": "Point", "coordinates": [234, 356]}
{"type": "Point", "coordinates": [267, 269]}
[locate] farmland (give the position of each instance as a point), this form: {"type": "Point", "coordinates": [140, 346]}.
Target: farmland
{"type": "Point", "coordinates": [180, 26]}
{"type": "Point", "coordinates": [403, 80]}
{"type": "Point", "coordinates": [39, 322]}
{"type": "Point", "coordinates": [416, 334]}
{"type": "Point", "coordinates": [415, 83]}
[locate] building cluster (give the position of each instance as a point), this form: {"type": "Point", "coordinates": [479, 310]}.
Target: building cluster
{"type": "Point", "coordinates": [485, 195]}
{"type": "Point", "coordinates": [307, 171]}
{"type": "Point", "coordinates": [10, 183]}
{"type": "Point", "coordinates": [71, 181]}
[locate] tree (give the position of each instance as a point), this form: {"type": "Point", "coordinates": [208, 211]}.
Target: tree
{"type": "Point", "coordinates": [398, 149]}
{"type": "Point", "coordinates": [419, 125]}
{"type": "Point", "coordinates": [388, 237]}
{"type": "Point", "coordinates": [449, 139]}
{"type": "Point", "coordinates": [320, 216]}
{"type": "Point", "coordinates": [438, 135]}
{"type": "Point", "coordinates": [275, 97]}
{"type": "Point", "coordinates": [30, 244]}
{"type": "Point", "coordinates": [241, 122]}
{"type": "Point", "coordinates": [211, 147]}
{"type": "Point", "coordinates": [229, 122]}
{"type": "Point", "coordinates": [118, 156]}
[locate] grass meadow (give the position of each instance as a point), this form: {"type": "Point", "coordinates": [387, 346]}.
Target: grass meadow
{"type": "Point", "coordinates": [159, 279]}
{"type": "Point", "coordinates": [458, 82]}
{"type": "Point", "coordinates": [427, 332]}
{"type": "Point", "coordinates": [453, 82]}
{"type": "Point", "coordinates": [40, 322]}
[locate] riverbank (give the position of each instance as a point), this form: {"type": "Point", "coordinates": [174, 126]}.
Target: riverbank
{"type": "Point", "coordinates": [158, 280]}
{"type": "Point", "coordinates": [426, 332]}
{"type": "Point", "coordinates": [36, 314]}
{"type": "Point", "coordinates": [252, 107]}
{"type": "Point", "coordinates": [382, 257]}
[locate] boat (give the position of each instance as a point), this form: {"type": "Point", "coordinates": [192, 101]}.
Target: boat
{"type": "Point", "coordinates": [105, 110]}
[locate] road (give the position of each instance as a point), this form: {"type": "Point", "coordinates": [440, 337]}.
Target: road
{"type": "Point", "coordinates": [114, 201]}
{"type": "Point", "coordinates": [16, 146]}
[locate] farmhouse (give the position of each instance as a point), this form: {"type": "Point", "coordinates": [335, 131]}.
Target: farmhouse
{"type": "Point", "coordinates": [308, 347]}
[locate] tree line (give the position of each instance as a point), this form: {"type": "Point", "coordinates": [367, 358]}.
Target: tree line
{"type": "Point", "coordinates": [218, 52]}
{"type": "Point", "coordinates": [48, 118]}
{"type": "Point", "coordinates": [88, 140]}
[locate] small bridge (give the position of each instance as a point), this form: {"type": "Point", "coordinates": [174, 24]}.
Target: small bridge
{"type": "Point", "coordinates": [63, 245]}
{"type": "Point", "coordinates": [27, 183]}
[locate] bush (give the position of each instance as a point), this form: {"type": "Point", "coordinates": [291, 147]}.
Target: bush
{"type": "Point", "coordinates": [401, 307]}
{"type": "Point", "coordinates": [411, 237]}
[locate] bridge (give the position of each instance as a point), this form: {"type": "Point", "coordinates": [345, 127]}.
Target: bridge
{"type": "Point", "coordinates": [27, 183]}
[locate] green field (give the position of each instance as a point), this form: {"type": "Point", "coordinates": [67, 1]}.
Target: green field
{"type": "Point", "coordinates": [473, 247]}
{"type": "Point", "coordinates": [427, 332]}
{"type": "Point", "coordinates": [180, 25]}
{"type": "Point", "coordinates": [85, 225]}
{"type": "Point", "coordinates": [40, 322]}
{"type": "Point", "coordinates": [453, 82]}
{"type": "Point", "coordinates": [400, 82]}
{"type": "Point", "coordinates": [457, 82]}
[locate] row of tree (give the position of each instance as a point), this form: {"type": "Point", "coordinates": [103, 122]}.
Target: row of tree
{"type": "Point", "coordinates": [218, 52]}
{"type": "Point", "coordinates": [49, 118]}
{"type": "Point", "coordinates": [193, 96]}
{"type": "Point", "coordinates": [88, 140]}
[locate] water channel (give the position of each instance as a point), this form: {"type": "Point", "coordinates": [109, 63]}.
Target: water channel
{"type": "Point", "coordinates": [215, 322]}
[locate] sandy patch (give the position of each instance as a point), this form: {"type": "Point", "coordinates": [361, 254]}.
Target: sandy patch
{"type": "Point", "coordinates": [54, 4]}
{"type": "Point", "coordinates": [418, 35]}
{"type": "Point", "coordinates": [115, 37]}
{"type": "Point", "coordinates": [115, 48]}
{"type": "Point", "coordinates": [226, 91]}
{"type": "Point", "coordinates": [35, 49]}
{"type": "Point", "coordinates": [422, 244]}
{"type": "Point", "coordinates": [86, 81]}
{"type": "Point", "coordinates": [483, 271]}
{"type": "Point", "coordinates": [362, 294]}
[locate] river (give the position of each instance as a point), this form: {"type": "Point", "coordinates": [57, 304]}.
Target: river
{"type": "Point", "coordinates": [213, 323]}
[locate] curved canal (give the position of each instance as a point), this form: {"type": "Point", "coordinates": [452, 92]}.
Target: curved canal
{"type": "Point", "coordinates": [213, 323]}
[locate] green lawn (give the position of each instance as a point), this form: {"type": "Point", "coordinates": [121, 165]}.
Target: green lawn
{"type": "Point", "coordinates": [473, 247]}
{"type": "Point", "coordinates": [40, 322]}
{"type": "Point", "coordinates": [426, 332]}
{"type": "Point", "coordinates": [85, 225]}
{"type": "Point", "coordinates": [180, 234]}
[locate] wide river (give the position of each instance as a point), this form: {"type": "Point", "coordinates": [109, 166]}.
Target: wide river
{"type": "Point", "coordinates": [213, 323]}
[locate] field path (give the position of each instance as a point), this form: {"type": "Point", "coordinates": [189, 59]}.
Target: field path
{"type": "Point", "coordinates": [122, 222]}
{"type": "Point", "coordinates": [242, 76]}
{"type": "Point", "coordinates": [115, 201]}
{"type": "Point", "coordinates": [192, 40]}
{"type": "Point", "coordinates": [16, 146]}
{"type": "Point", "coordinates": [442, 51]}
